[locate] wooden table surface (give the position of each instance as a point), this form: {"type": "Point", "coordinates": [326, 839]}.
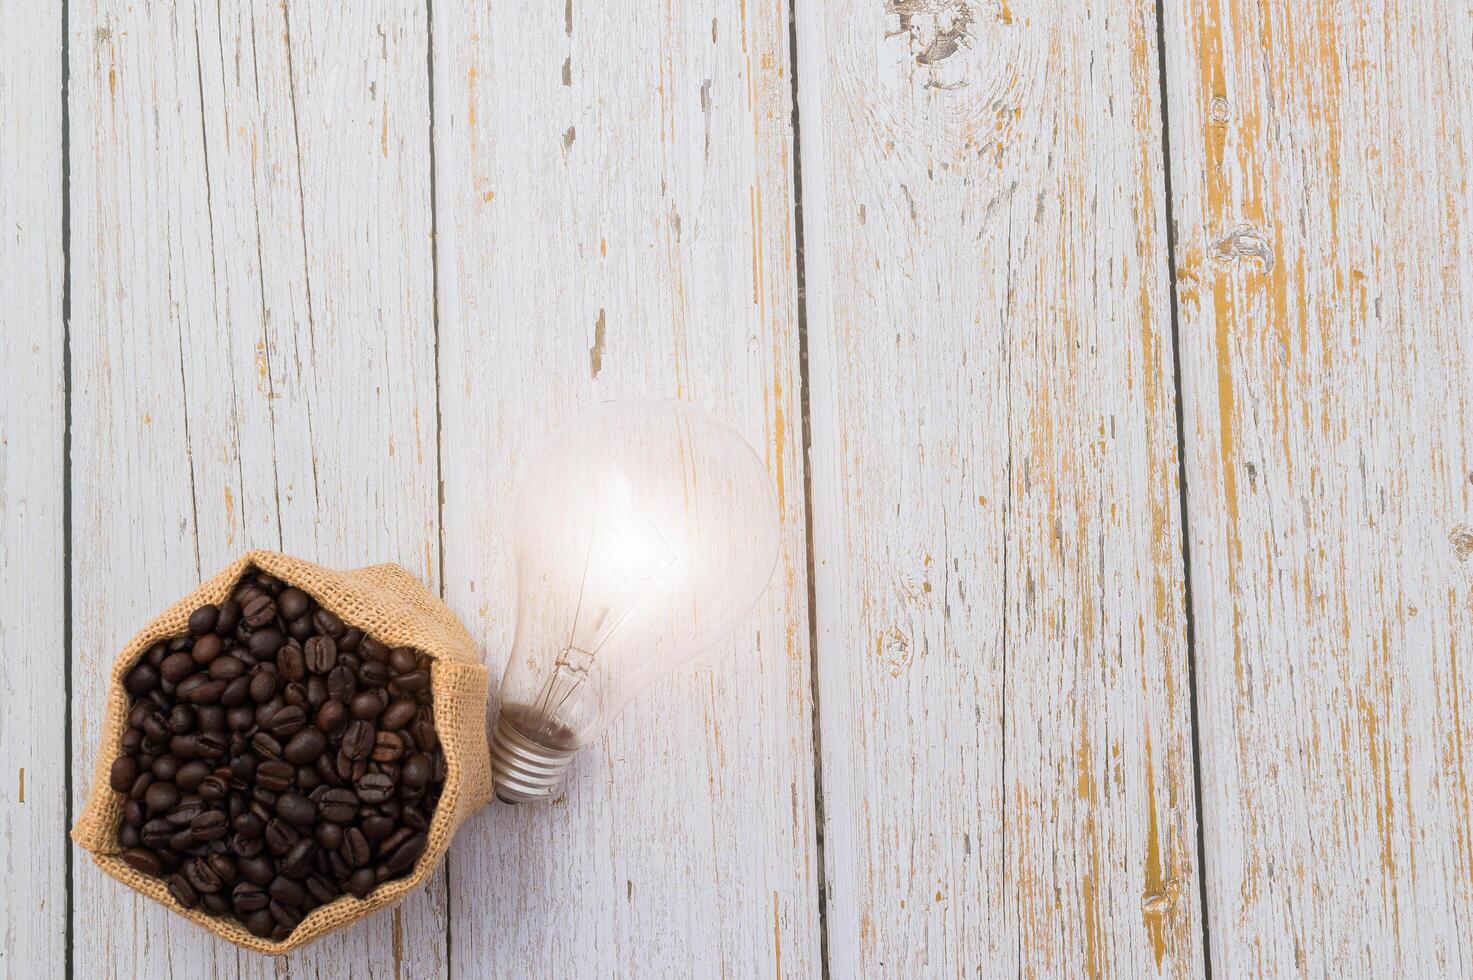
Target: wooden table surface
{"type": "Point", "coordinates": [1113, 366]}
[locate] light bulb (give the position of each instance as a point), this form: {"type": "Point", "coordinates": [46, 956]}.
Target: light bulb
{"type": "Point", "coordinates": [644, 531]}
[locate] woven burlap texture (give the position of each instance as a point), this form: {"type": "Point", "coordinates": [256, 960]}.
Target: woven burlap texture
{"type": "Point", "coordinates": [387, 603]}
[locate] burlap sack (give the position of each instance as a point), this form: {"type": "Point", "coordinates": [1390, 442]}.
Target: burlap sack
{"type": "Point", "coordinates": [387, 603]}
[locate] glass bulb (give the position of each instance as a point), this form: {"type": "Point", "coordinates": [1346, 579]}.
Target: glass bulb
{"type": "Point", "coordinates": [644, 531]}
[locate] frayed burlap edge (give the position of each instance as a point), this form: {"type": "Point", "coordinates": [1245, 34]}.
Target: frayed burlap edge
{"type": "Point", "coordinates": [387, 603]}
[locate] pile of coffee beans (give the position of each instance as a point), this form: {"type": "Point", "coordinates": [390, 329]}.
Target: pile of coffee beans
{"type": "Point", "coordinates": [276, 759]}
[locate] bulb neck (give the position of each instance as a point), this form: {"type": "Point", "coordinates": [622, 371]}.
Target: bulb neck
{"type": "Point", "coordinates": [524, 770]}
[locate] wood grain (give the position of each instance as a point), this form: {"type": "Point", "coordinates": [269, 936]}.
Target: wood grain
{"type": "Point", "coordinates": [1006, 751]}
{"type": "Point", "coordinates": [1321, 191]}
{"type": "Point", "coordinates": [33, 799]}
{"type": "Point", "coordinates": [615, 217]}
{"type": "Point", "coordinates": [253, 359]}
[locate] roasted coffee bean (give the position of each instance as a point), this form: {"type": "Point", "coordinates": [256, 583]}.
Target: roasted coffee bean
{"type": "Point", "coordinates": [243, 767]}
{"type": "Point", "coordinates": [191, 774]}
{"type": "Point", "coordinates": [260, 924]}
{"type": "Point", "coordinates": [316, 691]}
{"type": "Point", "coordinates": [280, 836]}
{"type": "Point", "coordinates": [298, 861]}
{"type": "Point", "coordinates": [331, 717]}
{"type": "Point", "coordinates": [326, 623]}
{"type": "Point", "coordinates": [367, 706]}
{"type": "Point", "coordinates": [202, 876]}
{"type": "Point", "coordinates": [248, 825]}
{"type": "Point", "coordinates": [206, 649]}
{"type": "Point", "coordinates": [143, 861]}
{"type": "Point", "coordinates": [377, 827]}
{"type": "Point", "coordinates": [338, 805]}
{"type": "Point", "coordinates": [128, 836]}
{"type": "Point", "coordinates": [207, 692]}
{"type": "Point", "coordinates": [156, 832]}
{"type": "Point", "coordinates": [296, 809]}
{"type": "Point", "coordinates": [189, 807]}
{"type": "Point", "coordinates": [320, 653]}
{"type": "Point", "coordinates": [123, 773]}
{"type": "Point", "coordinates": [248, 897]}
{"type": "Point", "coordinates": [165, 767]}
{"type": "Point", "coordinates": [288, 721]}
{"type": "Point", "coordinates": [375, 787]}
{"type": "Point", "coordinates": [265, 644]}
{"type": "Point", "coordinates": [210, 718]}
{"type": "Point", "coordinates": [290, 663]}
{"type": "Point", "coordinates": [287, 918]}
{"type": "Point", "coordinates": [215, 903]}
{"type": "Point", "coordinates": [228, 618]}
{"type": "Point", "coordinates": [142, 679]}
{"type": "Point", "coordinates": [374, 673]}
{"type": "Point", "coordinates": [183, 891]}
{"type": "Point", "coordinates": [226, 668]}
{"type": "Point", "coordinates": [300, 629]}
{"type": "Point", "coordinates": [349, 641]}
{"type": "Point", "coordinates": [263, 685]}
{"type": "Point", "coordinates": [210, 825]}
{"type": "Point", "coordinates": [210, 745]}
{"type": "Point", "coordinates": [321, 890]}
{"type": "Point", "coordinates": [398, 714]}
{"type": "Point", "coordinates": [358, 740]}
{"type": "Point", "coordinates": [415, 818]}
{"type": "Point", "coordinates": [360, 883]}
{"type": "Point", "coordinates": [402, 660]}
{"type": "Point", "coordinates": [387, 747]}
{"type": "Point", "coordinates": [274, 775]}
{"type": "Point", "coordinates": [390, 843]}
{"type": "Point", "coordinates": [265, 746]}
{"type": "Point", "coordinates": [295, 695]}
{"type": "Point", "coordinates": [292, 602]}
{"type": "Point", "coordinates": [286, 891]}
{"type": "Point", "coordinates": [329, 836]}
{"type": "Point", "coordinates": [342, 684]}
{"type": "Point", "coordinates": [417, 771]}
{"type": "Point", "coordinates": [258, 610]}
{"type": "Point", "coordinates": [256, 869]}
{"type": "Point", "coordinates": [305, 747]}
{"type": "Point", "coordinates": [160, 796]}
{"type": "Point", "coordinates": [203, 619]}
{"type": "Point", "coordinates": [176, 667]}
{"type": "Point", "coordinates": [182, 719]}
{"type": "Point", "coordinates": [237, 692]}
{"type": "Point", "coordinates": [415, 680]}
{"type": "Point", "coordinates": [214, 788]}
{"type": "Point", "coordinates": [355, 848]}
{"type": "Point", "coordinates": [241, 718]}
{"type": "Point", "coordinates": [408, 852]}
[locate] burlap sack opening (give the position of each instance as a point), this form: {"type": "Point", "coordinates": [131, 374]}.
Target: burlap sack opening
{"type": "Point", "coordinates": [385, 602]}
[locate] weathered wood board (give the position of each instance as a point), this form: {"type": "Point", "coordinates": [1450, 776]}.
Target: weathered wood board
{"type": "Point", "coordinates": [33, 762]}
{"type": "Point", "coordinates": [1320, 171]}
{"type": "Point", "coordinates": [616, 218]}
{"type": "Point", "coordinates": [252, 364]}
{"type": "Point", "coordinates": [1003, 685]}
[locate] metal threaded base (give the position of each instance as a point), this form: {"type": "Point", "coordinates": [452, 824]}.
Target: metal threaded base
{"type": "Point", "coordinates": [522, 770]}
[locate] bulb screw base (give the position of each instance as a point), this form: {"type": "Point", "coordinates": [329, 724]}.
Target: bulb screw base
{"type": "Point", "coordinates": [523, 770]}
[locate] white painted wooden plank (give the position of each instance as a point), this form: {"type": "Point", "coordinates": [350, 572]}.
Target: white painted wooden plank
{"type": "Point", "coordinates": [1003, 675]}
{"type": "Point", "coordinates": [33, 760]}
{"type": "Point", "coordinates": [254, 358]}
{"type": "Point", "coordinates": [616, 218]}
{"type": "Point", "coordinates": [1324, 213]}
